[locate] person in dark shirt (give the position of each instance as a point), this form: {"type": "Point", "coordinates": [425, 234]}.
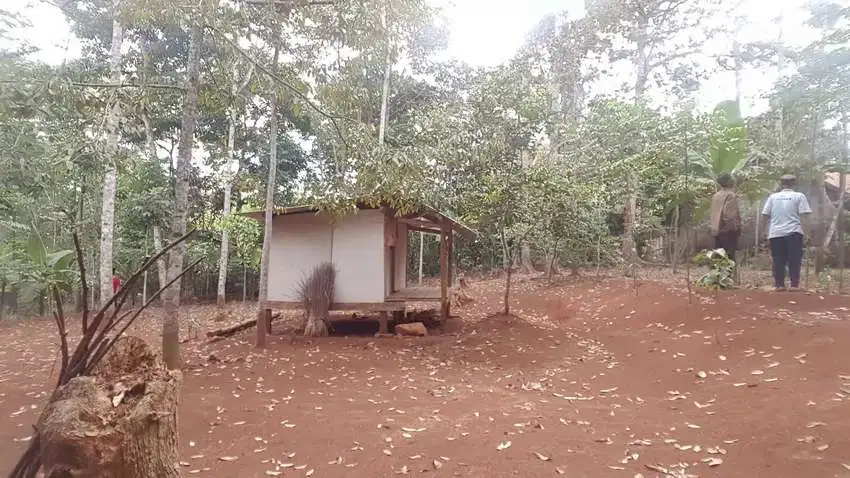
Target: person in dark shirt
{"type": "Point", "coordinates": [726, 216]}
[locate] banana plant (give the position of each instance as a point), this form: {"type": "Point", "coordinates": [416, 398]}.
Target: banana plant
{"type": "Point", "coordinates": [42, 269]}
{"type": "Point", "coordinates": [727, 153]}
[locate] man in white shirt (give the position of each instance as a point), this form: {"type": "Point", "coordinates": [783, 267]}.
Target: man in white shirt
{"type": "Point", "coordinates": [783, 211]}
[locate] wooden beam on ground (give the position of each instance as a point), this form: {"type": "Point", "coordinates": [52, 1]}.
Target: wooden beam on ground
{"type": "Point", "coordinates": [233, 329]}
{"type": "Point", "coordinates": [445, 232]}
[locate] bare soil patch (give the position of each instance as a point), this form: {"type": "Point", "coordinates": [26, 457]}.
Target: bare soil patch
{"type": "Point", "coordinates": [589, 377]}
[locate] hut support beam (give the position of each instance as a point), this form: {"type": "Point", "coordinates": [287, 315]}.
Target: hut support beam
{"type": "Point", "coordinates": [445, 268]}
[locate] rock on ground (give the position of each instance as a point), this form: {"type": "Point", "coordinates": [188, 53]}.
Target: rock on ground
{"type": "Point", "coordinates": [416, 329]}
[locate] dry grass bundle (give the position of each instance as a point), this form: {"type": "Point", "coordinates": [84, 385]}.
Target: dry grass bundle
{"type": "Point", "coordinates": [316, 293]}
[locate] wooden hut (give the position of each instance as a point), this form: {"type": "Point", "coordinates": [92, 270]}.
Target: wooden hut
{"type": "Point", "coordinates": [368, 247]}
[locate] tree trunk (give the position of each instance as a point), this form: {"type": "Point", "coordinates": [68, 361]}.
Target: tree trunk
{"type": "Point", "coordinates": [842, 184]}
{"type": "Point", "coordinates": [421, 254]}
{"type": "Point", "coordinates": [110, 177]}
{"type": "Point", "coordinates": [119, 423]}
{"type": "Point", "coordinates": [225, 252]}
{"type": "Point", "coordinates": [827, 240]}
{"type": "Point", "coordinates": [145, 287]}
{"type": "Point", "coordinates": [385, 89]}
{"type": "Point", "coordinates": [244, 282]}
{"type": "Point", "coordinates": [161, 269]}
{"type": "Point", "coordinates": [507, 295]}
{"type": "Point", "coordinates": [552, 268]}
{"type": "Point", "coordinates": [233, 116]}
{"type": "Point", "coordinates": [525, 259]}
{"type": "Point", "coordinates": [642, 70]}
{"type": "Point", "coordinates": [150, 145]}
{"type": "Point", "coordinates": [271, 183]}
{"type": "Point", "coordinates": [171, 301]}
{"type": "Point", "coordinates": [675, 249]}
{"type": "Point", "coordinates": [630, 254]}
{"type": "Point", "coordinates": [641, 59]}
{"type": "Point", "coordinates": [507, 266]}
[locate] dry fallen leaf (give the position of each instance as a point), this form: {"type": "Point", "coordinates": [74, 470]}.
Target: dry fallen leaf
{"type": "Point", "coordinates": [228, 458]}
{"type": "Point", "coordinates": [437, 464]}
{"type": "Point", "coordinates": [116, 400]}
{"type": "Point", "coordinates": [541, 456]}
{"type": "Point", "coordinates": [714, 461]}
{"type": "Point", "coordinates": [504, 446]}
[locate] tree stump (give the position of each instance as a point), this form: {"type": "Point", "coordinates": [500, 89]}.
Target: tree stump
{"type": "Point", "coordinates": [121, 422]}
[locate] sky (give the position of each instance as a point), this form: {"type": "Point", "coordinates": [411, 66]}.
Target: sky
{"type": "Point", "coordinates": [488, 32]}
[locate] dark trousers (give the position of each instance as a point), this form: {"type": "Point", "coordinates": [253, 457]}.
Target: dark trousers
{"type": "Point", "coordinates": [728, 241]}
{"type": "Point", "coordinates": [787, 252]}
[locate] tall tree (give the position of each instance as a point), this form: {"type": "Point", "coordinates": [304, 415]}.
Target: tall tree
{"type": "Point", "coordinates": [659, 40]}
{"type": "Point", "coordinates": [110, 177]}
{"type": "Point", "coordinates": [171, 300]}
{"type": "Point", "coordinates": [237, 87]}
{"type": "Point", "coordinates": [271, 186]}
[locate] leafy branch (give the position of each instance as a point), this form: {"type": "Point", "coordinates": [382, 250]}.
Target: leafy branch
{"type": "Point", "coordinates": [280, 81]}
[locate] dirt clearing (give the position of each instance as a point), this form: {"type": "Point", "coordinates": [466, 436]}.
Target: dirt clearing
{"type": "Point", "coordinates": [588, 380]}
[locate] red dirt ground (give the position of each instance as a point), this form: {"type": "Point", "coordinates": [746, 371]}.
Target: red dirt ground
{"type": "Point", "coordinates": [590, 379]}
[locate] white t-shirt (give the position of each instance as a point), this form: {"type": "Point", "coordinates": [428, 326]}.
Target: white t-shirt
{"type": "Point", "coordinates": [784, 209]}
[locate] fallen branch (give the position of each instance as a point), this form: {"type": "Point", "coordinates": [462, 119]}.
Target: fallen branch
{"type": "Point", "coordinates": [233, 329]}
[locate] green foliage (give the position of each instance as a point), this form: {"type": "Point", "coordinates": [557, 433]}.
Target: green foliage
{"type": "Point", "coordinates": [37, 269]}
{"type": "Point", "coordinates": [527, 152]}
{"type": "Point", "coordinates": [721, 273]}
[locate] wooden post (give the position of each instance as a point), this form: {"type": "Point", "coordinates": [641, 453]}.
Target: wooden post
{"type": "Point", "coordinates": [269, 319]}
{"type": "Point", "coordinates": [264, 317]}
{"type": "Point", "coordinates": [450, 242]}
{"type": "Point", "coordinates": [382, 323]}
{"type": "Point", "coordinates": [842, 226]}
{"type": "Point", "coordinates": [445, 275]}
{"type": "Point", "coordinates": [421, 254]}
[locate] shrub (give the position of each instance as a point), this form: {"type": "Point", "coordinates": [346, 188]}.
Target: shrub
{"type": "Point", "coordinates": [721, 272]}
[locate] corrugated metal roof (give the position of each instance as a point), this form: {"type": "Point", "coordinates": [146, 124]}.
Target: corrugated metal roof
{"type": "Point", "coordinates": [465, 231]}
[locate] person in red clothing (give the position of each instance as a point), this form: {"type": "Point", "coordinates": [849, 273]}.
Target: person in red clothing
{"type": "Point", "coordinates": [116, 282]}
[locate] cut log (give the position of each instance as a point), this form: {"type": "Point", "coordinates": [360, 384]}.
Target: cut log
{"type": "Point", "coordinates": [121, 422]}
{"type": "Point", "coordinates": [228, 331]}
